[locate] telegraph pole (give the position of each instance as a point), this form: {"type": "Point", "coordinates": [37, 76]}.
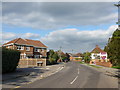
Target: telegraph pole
{"type": "Point", "coordinates": [118, 5]}
{"type": "Point", "coordinates": [60, 53]}
{"type": "Point", "coordinates": [72, 54]}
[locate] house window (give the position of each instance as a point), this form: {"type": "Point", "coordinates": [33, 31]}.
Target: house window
{"type": "Point", "coordinates": [36, 50]}
{"type": "Point", "coordinates": [27, 48]}
{"type": "Point", "coordinates": [8, 47]}
{"type": "Point", "coordinates": [37, 56]}
{"type": "Point", "coordinates": [42, 50]}
{"type": "Point", "coordinates": [22, 56]}
{"type": "Point", "coordinates": [20, 47]}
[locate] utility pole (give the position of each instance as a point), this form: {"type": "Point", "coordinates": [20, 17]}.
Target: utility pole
{"type": "Point", "coordinates": [118, 5]}
{"type": "Point", "coordinates": [72, 54]}
{"type": "Point", "coordinates": [60, 53]}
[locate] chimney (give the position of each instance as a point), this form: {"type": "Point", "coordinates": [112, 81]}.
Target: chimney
{"type": "Point", "coordinates": [97, 46]}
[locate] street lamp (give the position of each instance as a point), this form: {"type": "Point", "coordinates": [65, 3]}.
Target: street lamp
{"type": "Point", "coordinates": [118, 5]}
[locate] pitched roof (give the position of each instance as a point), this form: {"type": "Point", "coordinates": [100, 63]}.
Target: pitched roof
{"type": "Point", "coordinates": [97, 50]}
{"type": "Point", "coordinates": [21, 41]}
{"type": "Point", "coordinates": [77, 55]}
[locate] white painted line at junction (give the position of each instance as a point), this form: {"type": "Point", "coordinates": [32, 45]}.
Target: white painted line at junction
{"type": "Point", "coordinates": [74, 80]}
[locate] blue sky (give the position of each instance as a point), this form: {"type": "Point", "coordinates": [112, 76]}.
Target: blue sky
{"type": "Point", "coordinates": [17, 29]}
{"type": "Point", "coordinates": [70, 25]}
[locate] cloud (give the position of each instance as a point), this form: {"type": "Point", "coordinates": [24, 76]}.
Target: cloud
{"type": "Point", "coordinates": [79, 41]}
{"type": "Point", "coordinates": [31, 36]}
{"type": "Point", "coordinates": [8, 36]}
{"type": "Point", "coordinates": [49, 15]}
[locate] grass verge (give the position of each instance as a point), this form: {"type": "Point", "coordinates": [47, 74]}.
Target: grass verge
{"type": "Point", "coordinates": [94, 66]}
{"type": "Point", "coordinates": [116, 67]}
{"type": "Point", "coordinates": [90, 65]}
{"type": "Point", "coordinates": [81, 62]}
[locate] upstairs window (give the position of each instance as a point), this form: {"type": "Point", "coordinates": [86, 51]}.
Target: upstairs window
{"type": "Point", "coordinates": [36, 50]}
{"type": "Point", "coordinates": [42, 50]}
{"type": "Point", "coordinates": [8, 47]}
{"type": "Point", "coordinates": [20, 47]}
{"type": "Point", "coordinates": [27, 48]}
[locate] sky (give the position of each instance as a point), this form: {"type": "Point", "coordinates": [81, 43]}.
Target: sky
{"type": "Point", "coordinates": [77, 26]}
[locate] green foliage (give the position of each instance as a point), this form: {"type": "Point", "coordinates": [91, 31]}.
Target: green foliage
{"type": "Point", "coordinates": [52, 57]}
{"type": "Point", "coordinates": [81, 62]}
{"type": "Point", "coordinates": [117, 67]}
{"type": "Point", "coordinates": [77, 58]}
{"type": "Point", "coordinates": [65, 57]}
{"type": "Point", "coordinates": [10, 59]}
{"type": "Point", "coordinates": [113, 48]}
{"type": "Point", "coordinates": [86, 57]}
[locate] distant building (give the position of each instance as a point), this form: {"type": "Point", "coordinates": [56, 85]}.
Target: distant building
{"type": "Point", "coordinates": [77, 56]}
{"type": "Point", "coordinates": [99, 57]}
{"type": "Point", "coordinates": [98, 53]}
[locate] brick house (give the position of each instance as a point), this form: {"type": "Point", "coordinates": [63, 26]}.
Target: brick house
{"type": "Point", "coordinates": [29, 48]}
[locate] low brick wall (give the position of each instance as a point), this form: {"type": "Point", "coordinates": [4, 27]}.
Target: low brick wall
{"type": "Point", "coordinates": [77, 60]}
{"type": "Point", "coordinates": [106, 64]}
{"type": "Point", "coordinates": [31, 62]}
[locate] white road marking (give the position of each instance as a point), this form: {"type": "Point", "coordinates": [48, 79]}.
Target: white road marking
{"type": "Point", "coordinates": [58, 68]}
{"type": "Point", "coordinates": [78, 71]}
{"type": "Point", "coordinates": [74, 80]}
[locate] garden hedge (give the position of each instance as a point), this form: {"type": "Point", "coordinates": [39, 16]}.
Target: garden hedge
{"type": "Point", "coordinates": [10, 59]}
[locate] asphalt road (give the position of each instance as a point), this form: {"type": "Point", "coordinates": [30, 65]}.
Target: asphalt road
{"type": "Point", "coordinates": [75, 75]}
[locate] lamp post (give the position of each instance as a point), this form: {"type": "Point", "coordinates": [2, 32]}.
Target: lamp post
{"type": "Point", "coordinates": [118, 5]}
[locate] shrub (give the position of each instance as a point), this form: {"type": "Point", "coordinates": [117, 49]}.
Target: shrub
{"type": "Point", "coordinates": [10, 59]}
{"type": "Point", "coordinates": [77, 58]}
{"type": "Point", "coordinates": [52, 57]}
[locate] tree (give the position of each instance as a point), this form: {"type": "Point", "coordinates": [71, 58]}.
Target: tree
{"type": "Point", "coordinates": [86, 57]}
{"type": "Point", "coordinates": [65, 57]}
{"type": "Point", "coordinates": [52, 57]}
{"type": "Point", "coordinates": [113, 48]}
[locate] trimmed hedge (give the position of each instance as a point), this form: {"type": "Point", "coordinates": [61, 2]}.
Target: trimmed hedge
{"type": "Point", "coordinates": [10, 59]}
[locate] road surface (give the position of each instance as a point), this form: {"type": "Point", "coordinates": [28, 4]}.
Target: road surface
{"type": "Point", "coordinates": [75, 75]}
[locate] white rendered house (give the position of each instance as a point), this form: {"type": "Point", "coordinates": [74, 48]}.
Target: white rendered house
{"type": "Point", "coordinates": [98, 54]}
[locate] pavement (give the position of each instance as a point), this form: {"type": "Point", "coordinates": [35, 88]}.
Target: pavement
{"type": "Point", "coordinates": [27, 75]}
{"type": "Point", "coordinates": [75, 75]}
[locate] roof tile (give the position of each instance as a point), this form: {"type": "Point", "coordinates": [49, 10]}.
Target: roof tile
{"type": "Point", "coordinates": [21, 41]}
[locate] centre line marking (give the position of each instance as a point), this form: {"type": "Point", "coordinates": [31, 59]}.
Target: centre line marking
{"type": "Point", "coordinates": [78, 71]}
{"type": "Point", "coordinates": [74, 80]}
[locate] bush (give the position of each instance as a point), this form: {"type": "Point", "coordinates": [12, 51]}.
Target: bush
{"type": "Point", "coordinates": [77, 58]}
{"type": "Point", "coordinates": [86, 57]}
{"type": "Point", "coordinates": [10, 59]}
{"type": "Point", "coordinates": [52, 57]}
